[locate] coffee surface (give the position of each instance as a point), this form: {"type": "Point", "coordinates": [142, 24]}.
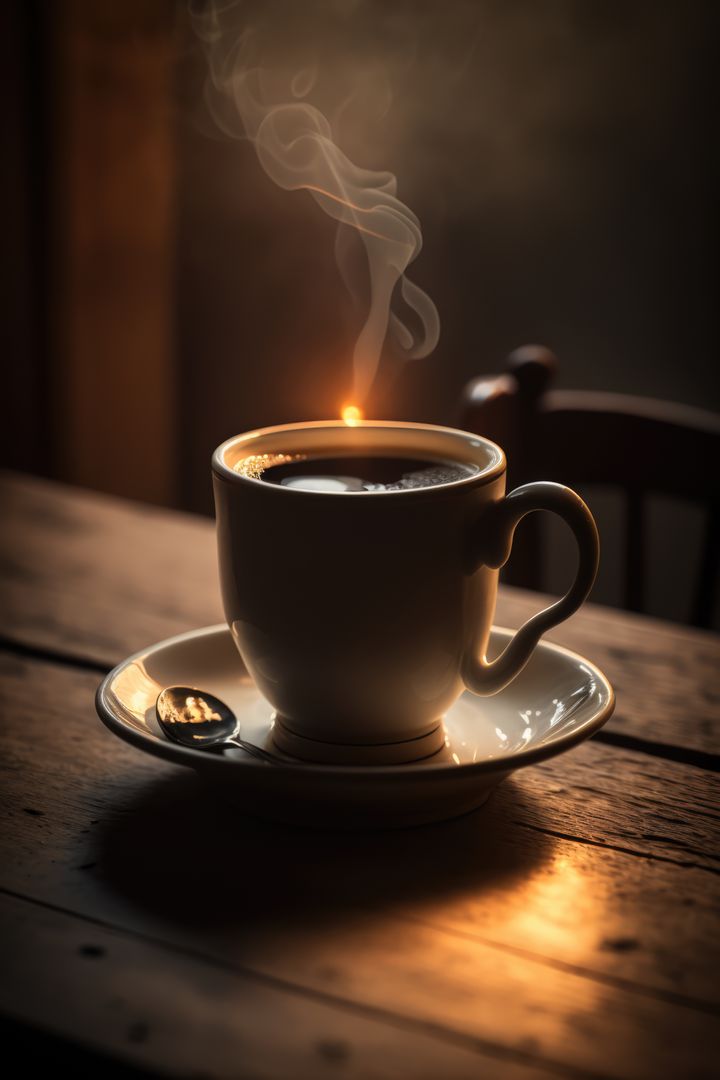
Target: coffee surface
{"type": "Point", "coordinates": [362, 473]}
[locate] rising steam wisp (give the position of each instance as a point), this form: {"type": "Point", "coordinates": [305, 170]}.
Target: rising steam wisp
{"type": "Point", "coordinates": [295, 146]}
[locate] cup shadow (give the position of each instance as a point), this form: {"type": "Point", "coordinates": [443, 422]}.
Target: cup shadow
{"type": "Point", "coordinates": [177, 853]}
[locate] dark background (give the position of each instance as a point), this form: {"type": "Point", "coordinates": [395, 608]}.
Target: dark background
{"type": "Point", "coordinates": [162, 294]}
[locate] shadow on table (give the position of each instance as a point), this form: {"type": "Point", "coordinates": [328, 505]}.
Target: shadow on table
{"type": "Point", "coordinates": [188, 858]}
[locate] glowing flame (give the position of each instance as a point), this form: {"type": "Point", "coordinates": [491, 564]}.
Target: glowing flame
{"type": "Point", "coordinates": [352, 415]}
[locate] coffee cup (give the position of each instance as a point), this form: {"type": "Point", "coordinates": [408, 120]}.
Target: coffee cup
{"type": "Point", "coordinates": [362, 615]}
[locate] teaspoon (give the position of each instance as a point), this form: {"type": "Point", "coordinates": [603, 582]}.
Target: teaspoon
{"type": "Point", "coordinates": [197, 719]}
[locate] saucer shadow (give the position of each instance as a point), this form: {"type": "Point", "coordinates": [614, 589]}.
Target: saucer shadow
{"type": "Point", "coordinates": [180, 854]}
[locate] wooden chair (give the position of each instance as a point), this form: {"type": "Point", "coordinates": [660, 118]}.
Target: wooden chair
{"type": "Point", "coordinates": [636, 445]}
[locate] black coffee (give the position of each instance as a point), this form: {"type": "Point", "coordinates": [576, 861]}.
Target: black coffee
{"type": "Point", "coordinates": [355, 473]}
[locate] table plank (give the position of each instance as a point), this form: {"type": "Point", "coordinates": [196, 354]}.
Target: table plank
{"type": "Point", "coordinates": [89, 576]}
{"type": "Point", "coordinates": [577, 904]}
{"type": "Point", "coordinates": [664, 674]}
{"type": "Point", "coordinates": [84, 575]}
{"type": "Point", "coordinates": [161, 1010]}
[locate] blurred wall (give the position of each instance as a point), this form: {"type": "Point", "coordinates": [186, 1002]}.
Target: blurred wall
{"type": "Point", "coordinates": [163, 294]}
{"type": "Point", "coordinates": [559, 158]}
{"type": "Point", "coordinates": [90, 177]}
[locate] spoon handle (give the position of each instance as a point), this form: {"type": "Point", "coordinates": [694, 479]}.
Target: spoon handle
{"type": "Point", "coordinates": [255, 751]}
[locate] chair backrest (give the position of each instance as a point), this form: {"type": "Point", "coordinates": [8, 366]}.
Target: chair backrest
{"type": "Point", "coordinates": [636, 445]}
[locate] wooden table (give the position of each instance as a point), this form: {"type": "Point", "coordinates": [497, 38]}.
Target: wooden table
{"type": "Point", "coordinates": [568, 928]}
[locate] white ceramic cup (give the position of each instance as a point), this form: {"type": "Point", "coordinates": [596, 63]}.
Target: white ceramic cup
{"type": "Point", "coordinates": [362, 616]}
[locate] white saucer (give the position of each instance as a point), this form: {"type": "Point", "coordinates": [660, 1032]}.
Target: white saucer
{"type": "Point", "coordinates": [557, 701]}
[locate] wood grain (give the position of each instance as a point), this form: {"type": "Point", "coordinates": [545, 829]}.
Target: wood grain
{"type": "Point", "coordinates": [89, 576]}
{"type": "Point", "coordinates": [86, 576]}
{"type": "Point", "coordinates": [160, 1009]}
{"type": "Point", "coordinates": [570, 925]}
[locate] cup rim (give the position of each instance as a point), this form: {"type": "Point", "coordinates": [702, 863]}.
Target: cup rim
{"type": "Point", "coordinates": [495, 468]}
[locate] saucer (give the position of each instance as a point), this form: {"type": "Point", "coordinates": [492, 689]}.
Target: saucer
{"type": "Point", "coordinates": [558, 700]}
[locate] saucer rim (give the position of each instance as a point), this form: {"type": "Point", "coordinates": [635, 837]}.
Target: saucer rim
{"type": "Point", "coordinates": [113, 717]}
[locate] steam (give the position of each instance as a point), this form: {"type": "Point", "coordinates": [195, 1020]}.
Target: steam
{"type": "Point", "coordinates": [294, 143]}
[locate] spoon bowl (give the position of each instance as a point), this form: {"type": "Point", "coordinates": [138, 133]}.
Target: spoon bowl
{"type": "Point", "coordinates": [200, 720]}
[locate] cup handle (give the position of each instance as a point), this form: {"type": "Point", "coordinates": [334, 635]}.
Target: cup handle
{"type": "Point", "coordinates": [496, 529]}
